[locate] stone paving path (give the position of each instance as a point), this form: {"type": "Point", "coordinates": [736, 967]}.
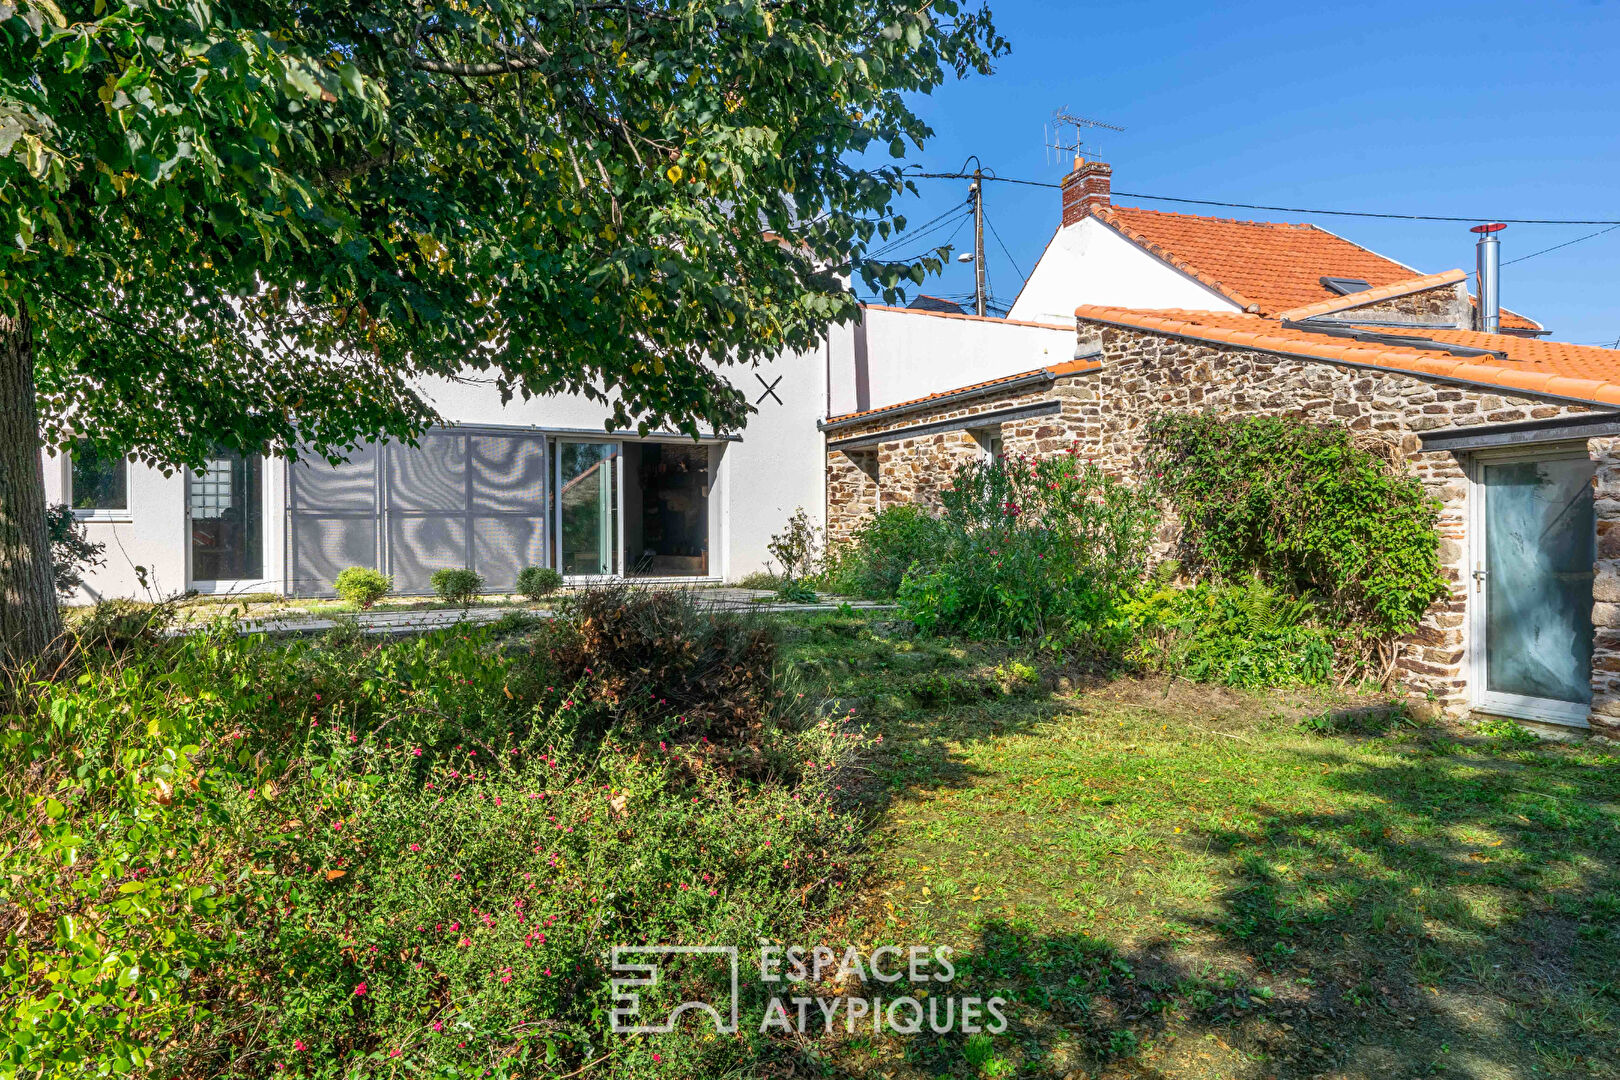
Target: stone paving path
{"type": "Point", "coordinates": [411, 622]}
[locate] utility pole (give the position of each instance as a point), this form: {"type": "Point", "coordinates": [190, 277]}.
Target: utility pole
{"type": "Point", "coordinates": [978, 239]}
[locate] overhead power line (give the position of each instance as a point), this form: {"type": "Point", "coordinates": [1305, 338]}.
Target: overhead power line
{"type": "Point", "coordinates": [1288, 209]}
{"type": "Point", "coordinates": [1565, 244]}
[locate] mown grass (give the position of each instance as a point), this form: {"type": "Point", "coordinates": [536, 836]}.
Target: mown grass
{"type": "Point", "coordinates": [1182, 881]}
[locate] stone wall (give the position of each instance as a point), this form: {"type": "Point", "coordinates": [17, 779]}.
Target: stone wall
{"type": "Point", "coordinates": [1145, 373]}
{"type": "Point", "coordinates": [1105, 414]}
{"type": "Point", "coordinates": [1605, 454]}
{"type": "Point", "coordinates": [913, 468]}
{"type": "Point", "coordinates": [1446, 305]}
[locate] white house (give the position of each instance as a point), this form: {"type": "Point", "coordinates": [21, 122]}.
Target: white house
{"type": "Point", "coordinates": [530, 483]}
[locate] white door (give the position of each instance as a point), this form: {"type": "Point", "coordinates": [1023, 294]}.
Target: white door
{"type": "Point", "coordinates": [1534, 542]}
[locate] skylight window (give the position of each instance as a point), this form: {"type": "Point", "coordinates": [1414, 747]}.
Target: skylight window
{"type": "Point", "coordinates": [1344, 286]}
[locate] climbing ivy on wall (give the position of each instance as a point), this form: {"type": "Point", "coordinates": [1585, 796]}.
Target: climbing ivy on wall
{"type": "Point", "coordinates": [1309, 511]}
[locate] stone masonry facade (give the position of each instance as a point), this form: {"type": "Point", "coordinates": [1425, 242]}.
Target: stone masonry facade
{"type": "Point", "coordinates": [1105, 412]}
{"type": "Point", "coordinates": [1443, 305]}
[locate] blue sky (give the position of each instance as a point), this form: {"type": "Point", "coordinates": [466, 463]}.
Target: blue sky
{"type": "Point", "coordinates": [1505, 109]}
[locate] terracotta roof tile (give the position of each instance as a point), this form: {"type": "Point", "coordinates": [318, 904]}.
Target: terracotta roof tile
{"type": "Point", "coordinates": [1067, 367]}
{"type": "Point", "coordinates": [1582, 372]}
{"type": "Point", "coordinates": [1267, 267]}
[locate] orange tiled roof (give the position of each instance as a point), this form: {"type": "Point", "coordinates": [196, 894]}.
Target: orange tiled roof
{"type": "Point", "coordinates": [1262, 266]}
{"type": "Point", "coordinates": [1375, 295]}
{"type": "Point", "coordinates": [1556, 368]}
{"type": "Point", "coordinates": [1067, 367]}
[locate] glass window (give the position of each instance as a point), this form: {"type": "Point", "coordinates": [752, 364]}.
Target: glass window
{"type": "Point", "coordinates": [100, 483]}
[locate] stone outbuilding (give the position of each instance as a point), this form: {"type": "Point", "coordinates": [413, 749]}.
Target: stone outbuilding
{"type": "Point", "coordinates": [1517, 437]}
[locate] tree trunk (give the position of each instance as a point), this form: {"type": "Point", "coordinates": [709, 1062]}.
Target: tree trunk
{"type": "Point", "coordinates": [30, 623]}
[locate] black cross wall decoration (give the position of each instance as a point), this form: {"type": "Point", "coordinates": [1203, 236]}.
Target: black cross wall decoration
{"type": "Point", "coordinates": [770, 389]}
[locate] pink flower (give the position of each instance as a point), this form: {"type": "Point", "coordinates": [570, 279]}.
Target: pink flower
{"type": "Point", "coordinates": [455, 926]}
{"type": "Point", "coordinates": [298, 1044]}
{"type": "Point", "coordinates": [337, 826]}
{"type": "Point", "coordinates": [465, 942]}
{"type": "Point", "coordinates": [658, 1057]}
{"type": "Point", "coordinates": [438, 1025]}
{"type": "Point", "coordinates": [416, 751]}
{"type": "Point", "coordinates": [393, 1053]}
{"type": "Point", "coordinates": [497, 800]}
{"type": "Point", "coordinates": [360, 991]}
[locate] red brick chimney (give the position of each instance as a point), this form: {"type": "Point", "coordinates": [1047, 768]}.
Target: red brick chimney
{"type": "Point", "coordinates": [1086, 189]}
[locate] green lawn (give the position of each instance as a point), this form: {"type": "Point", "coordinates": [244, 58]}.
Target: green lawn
{"type": "Point", "coordinates": [1179, 880]}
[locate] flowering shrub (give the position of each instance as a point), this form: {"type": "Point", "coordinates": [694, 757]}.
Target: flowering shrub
{"type": "Point", "coordinates": [349, 858]}
{"type": "Point", "coordinates": [1034, 549]}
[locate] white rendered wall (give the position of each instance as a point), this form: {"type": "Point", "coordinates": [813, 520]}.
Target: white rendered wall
{"type": "Point", "coordinates": [153, 534]}
{"type": "Point", "coordinates": [759, 482]}
{"type": "Point", "coordinates": [1090, 263]}
{"type": "Point", "coordinates": [899, 354]}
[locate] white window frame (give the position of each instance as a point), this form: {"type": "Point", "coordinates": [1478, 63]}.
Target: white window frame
{"type": "Point", "coordinates": [126, 514]}
{"type": "Point", "coordinates": [554, 449]}
{"type": "Point", "coordinates": [1495, 702]}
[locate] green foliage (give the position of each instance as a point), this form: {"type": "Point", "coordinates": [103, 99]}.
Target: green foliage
{"type": "Point", "coordinates": [268, 204]}
{"type": "Point", "coordinates": [72, 550]}
{"type": "Point", "coordinates": [1368, 720]}
{"type": "Point", "coordinates": [880, 551]}
{"type": "Point", "coordinates": [537, 582]}
{"type": "Point", "coordinates": [457, 585]}
{"type": "Point", "coordinates": [1309, 511]}
{"type": "Point", "coordinates": [656, 655]}
{"type": "Point", "coordinates": [352, 858]}
{"type": "Point", "coordinates": [796, 547]}
{"type": "Point", "coordinates": [1507, 731]}
{"type": "Point", "coordinates": [1246, 635]}
{"type": "Point", "coordinates": [1035, 550]}
{"type": "Point", "coordinates": [761, 579]}
{"type": "Point", "coordinates": [117, 625]}
{"type": "Point", "coordinates": [795, 591]}
{"type": "Point", "coordinates": [362, 585]}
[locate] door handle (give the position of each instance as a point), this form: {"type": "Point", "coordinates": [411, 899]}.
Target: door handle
{"type": "Point", "coordinates": [1479, 579]}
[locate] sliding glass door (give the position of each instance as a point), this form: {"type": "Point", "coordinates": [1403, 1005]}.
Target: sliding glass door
{"type": "Point", "coordinates": [588, 508]}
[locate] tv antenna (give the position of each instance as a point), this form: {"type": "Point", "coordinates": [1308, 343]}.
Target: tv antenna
{"type": "Point", "coordinates": [1062, 118]}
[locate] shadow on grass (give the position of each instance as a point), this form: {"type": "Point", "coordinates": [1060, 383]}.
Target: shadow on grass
{"type": "Point", "coordinates": [1430, 905]}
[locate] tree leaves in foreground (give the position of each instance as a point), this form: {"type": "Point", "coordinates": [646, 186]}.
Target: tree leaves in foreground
{"type": "Point", "coordinates": [263, 224]}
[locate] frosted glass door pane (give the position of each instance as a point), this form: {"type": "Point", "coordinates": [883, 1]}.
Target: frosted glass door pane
{"type": "Point", "coordinates": [1539, 543]}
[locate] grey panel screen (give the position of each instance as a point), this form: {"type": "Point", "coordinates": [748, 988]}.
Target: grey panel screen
{"type": "Point", "coordinates": [419, 544]}
{"type": "Point", "coordinates": [324, 545]}
{"type": "Point", "coordinates": [504, 545]}
{"type": "Point", "coordinates": [431, 476]}
{"type": "Point", "coordinates": [316, 484]}
{"type": "Point", "coordinates": [455, 500]}
{"type": "Point", "coordinates": [509, 474]}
